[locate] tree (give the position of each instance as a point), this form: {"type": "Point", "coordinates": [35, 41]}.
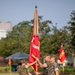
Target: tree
{"type": "Point", "coordinates": [57, 37]}
{"type": "Point", "coordinates": [44, 30]}
{"type": "Point", "coordinates": [72, 30]}
{"type": "Point", "coordinates": [17, 40]}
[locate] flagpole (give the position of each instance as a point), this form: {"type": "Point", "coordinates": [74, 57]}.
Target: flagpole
{"type": "Point", "coordinates": [34, 46]}
{"type": "Point", "coordinates": [63, 67]}
{"type": "Point", "coordinates": [35, 22]}
{"type": "Point", "coordinates": [36, 29]}
{"type": "Point", "coordinates": [36, 65]}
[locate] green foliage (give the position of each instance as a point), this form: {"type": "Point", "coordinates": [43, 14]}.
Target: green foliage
{"type": "Point", "coordinates": [67, 70]}
{"type": "Point", "coordinates": [72, 28]}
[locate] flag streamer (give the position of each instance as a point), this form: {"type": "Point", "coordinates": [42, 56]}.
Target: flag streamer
{"type": "Point", "coordinates": [9, 63]}
{"type": "Point", "coordinates": [62, 56]}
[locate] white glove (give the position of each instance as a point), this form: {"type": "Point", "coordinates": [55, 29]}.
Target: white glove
{"type": "Point", "coordinates": [45, 65]}
{"type": "Point", "coordinates": [26, 66]}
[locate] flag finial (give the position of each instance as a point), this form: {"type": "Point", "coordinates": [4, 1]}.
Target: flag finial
{"type": "Point", "coordinates": [35, 6]}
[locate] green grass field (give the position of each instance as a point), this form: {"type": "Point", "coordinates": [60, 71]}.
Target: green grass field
{"type": "Point", "coordinates": [9, 74]}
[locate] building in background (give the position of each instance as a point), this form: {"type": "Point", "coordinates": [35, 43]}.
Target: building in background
{"type": "Point", "coordinates": [5, 27]}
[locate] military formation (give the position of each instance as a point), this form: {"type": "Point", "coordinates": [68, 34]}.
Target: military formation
{"type": "Point", "coordinates": [50, 67]}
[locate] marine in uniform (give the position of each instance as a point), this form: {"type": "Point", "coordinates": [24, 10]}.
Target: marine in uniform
{"type": "Point", "coordinates": [21, 69]}
{"type": "Point", "coordinates": [53, 66]}
{"type": "Point", "coordinates": [45, 64]}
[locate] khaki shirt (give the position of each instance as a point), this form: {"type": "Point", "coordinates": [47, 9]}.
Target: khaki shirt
{"type": "Point", "coordinates": [45, 70]}
{"type": "Point", "coordinates": [52, 68]}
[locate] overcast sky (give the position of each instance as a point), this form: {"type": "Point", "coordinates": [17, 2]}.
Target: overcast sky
{"type": "Point", "coordinates": [58, 11]}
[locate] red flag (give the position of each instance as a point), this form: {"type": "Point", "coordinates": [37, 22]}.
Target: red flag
{"type": "Point", "coordinates": [62, 55]}
{"type": "Point", "coordinates": [35, 43]}
{"type": "Point", "coordinates": [34, 50]}
{"type": "Point", "coordinates": [9, 61]}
